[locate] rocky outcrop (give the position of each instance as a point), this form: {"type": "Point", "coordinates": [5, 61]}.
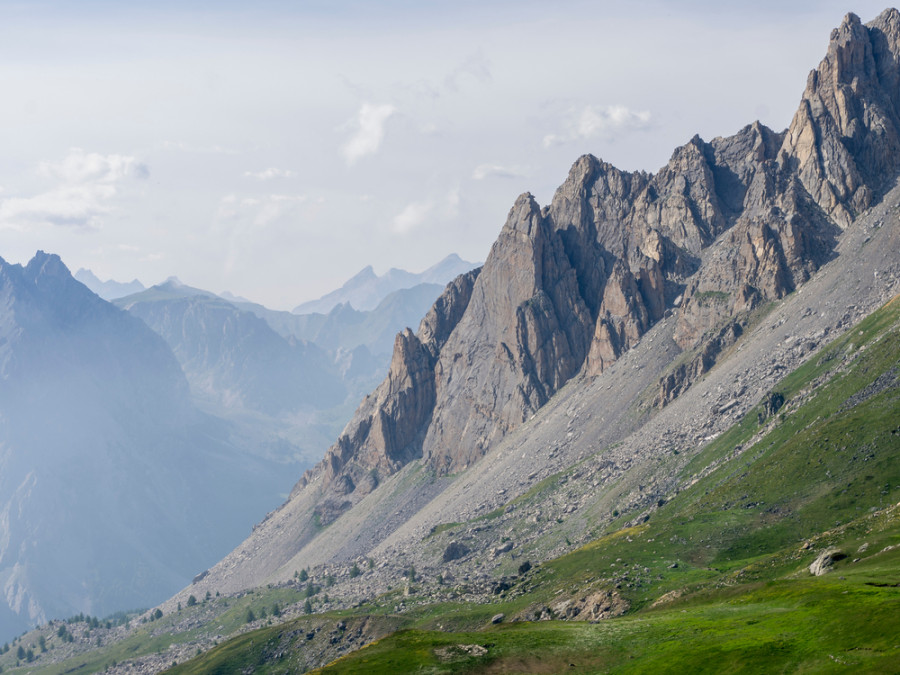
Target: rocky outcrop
{"type": "Point", "coordinates": [824, 562]}
{"type": "Point", "coordinates": [388, 428]}
{"type": "Point", "coordinates": [724, 227]}
{"type": "Point", "coordinates": [844, 143]}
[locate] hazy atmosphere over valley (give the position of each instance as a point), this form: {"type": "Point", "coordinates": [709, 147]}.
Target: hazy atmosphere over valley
{"type": "Point", "coordinates": [500, 336]}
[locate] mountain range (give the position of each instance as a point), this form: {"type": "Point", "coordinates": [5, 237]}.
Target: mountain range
{"type": "Point", "coordinates": [104, 398]}
{"type": "Point", "coordinates": [637, 439]}
{"type": "Point", "coordinates": [365, 290]}
{"type": "Point", "coordinates": [114, 488]}
{"type": "Point", "coordinates": [110, 289]}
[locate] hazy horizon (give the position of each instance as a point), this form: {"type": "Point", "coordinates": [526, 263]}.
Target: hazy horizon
{"type": "Point", "coordinates": [273, 151]}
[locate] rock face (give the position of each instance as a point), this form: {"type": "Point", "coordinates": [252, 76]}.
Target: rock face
{"type": "Point", "coordinates": [723, 228]}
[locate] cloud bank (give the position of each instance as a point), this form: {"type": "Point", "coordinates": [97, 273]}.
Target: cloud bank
{"type": "Point", "coordinates": [86, 185]}
{"type": "Point", "coordinates": [598, 122]}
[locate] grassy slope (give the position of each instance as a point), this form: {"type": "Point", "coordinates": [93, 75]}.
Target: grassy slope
{"type": "Point", "coordinates": [729, 553]}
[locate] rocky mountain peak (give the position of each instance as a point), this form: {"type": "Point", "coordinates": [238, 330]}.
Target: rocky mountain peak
{"type": "Point", "coordinates": [723, 227]}
{"type": "Point", "coordinates": [845, 137]}
{"type": "Point", "coordinates": [48, 264]}
{"type": "Point", "coordinates": [524, 216]}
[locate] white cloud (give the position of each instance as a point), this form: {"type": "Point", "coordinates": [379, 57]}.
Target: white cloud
{"type": "Point", "coordinates": [476, 66]}
{"type": "Point", "coordinates": [483, 171]}
{"type": "Point", "coordinates": [80, 167]}
{"type": "Point", "coordinates": [87, 186]}
{"type": "Point", "coordinates": [369, 123]}
{"type": "Point", "coordinates": [259, 211]}
{"type": "Point", "coordinates": [270, 173]}
{"type": "Point", "coordinates": [598, 121]}
{"type": "Point", "coordinates": [411, 217]}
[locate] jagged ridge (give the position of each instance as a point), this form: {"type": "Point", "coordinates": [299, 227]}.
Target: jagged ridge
{"type": "Point", "coordinates": [725, 226]}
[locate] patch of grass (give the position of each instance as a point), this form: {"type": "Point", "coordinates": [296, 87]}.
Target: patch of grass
{"type": "Point", "coordinates": [786, 626]}
{"type": "Point", "coordinates": [443, 527]}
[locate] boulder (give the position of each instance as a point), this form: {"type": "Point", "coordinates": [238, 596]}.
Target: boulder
{"type": "Point", "coordinates": [825, 561]}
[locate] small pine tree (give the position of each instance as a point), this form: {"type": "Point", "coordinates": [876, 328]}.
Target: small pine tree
{"type": "Point", "coordinates": [42, 643]}
{"type": "Point", "coordinates": [20, 653]}
{"type": "Point", "coordinates": [191, 601]}
{"type": "Point", "coordinates": [411, 573]}
{"type": "Point", "coordinates": [307, 607]}
{"type": "Point", "coordinates": [251, 617]}
{"type": "Point", "coordinates": [370, 562]}
{"type": "Point", "coordinates": [354, 571]}
{"type": "Point", "coordinates": [304, 575]}
{"type": "Point", "coordinates": [276, 610]}
{"type": "Point", "coordinates": [209, 595]}
{"type": "Point", "coordinates": [329, 581]}
{"type": "Point", "coordinates": [157, 614]}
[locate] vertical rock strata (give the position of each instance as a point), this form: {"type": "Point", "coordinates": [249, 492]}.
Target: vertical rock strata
{"type": "Point", "coordinates": [725, 226]}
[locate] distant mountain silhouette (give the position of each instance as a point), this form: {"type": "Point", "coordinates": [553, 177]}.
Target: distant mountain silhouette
{"type": "Point", "coordinates": [366, 289]}
{"type": "Point", "coordinates": [114, 489]}
{"type": "Point", "coordinates": [108, 290]}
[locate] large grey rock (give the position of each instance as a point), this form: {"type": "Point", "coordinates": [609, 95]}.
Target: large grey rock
{"type": "Point", "coordinates": [825, 561]}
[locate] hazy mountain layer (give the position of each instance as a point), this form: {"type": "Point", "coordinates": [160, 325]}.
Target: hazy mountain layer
{"type": "Point", "coordinates": [366, 289]}
{"type": "Point", "coordinates": [110, 289]}
{"type": "Point", "coordinates": [114, 491]}
{"type": "Point", "coordinates": [232, 357]}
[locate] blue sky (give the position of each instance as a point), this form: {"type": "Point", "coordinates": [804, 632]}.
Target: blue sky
{"type": "Point", "coordinates": [273, 149]}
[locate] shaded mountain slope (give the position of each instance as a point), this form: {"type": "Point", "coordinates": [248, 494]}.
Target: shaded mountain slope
{"type": "Point", "coordinates": [102, 504]}
{"type": "Point", "coordinates": [232, 357]}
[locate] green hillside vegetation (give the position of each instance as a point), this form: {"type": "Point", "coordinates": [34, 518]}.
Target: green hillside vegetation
{"type": "Point", "coordinates": [717, 578]}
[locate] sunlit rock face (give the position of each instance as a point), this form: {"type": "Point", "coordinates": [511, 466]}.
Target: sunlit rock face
{"type": "Point", "coordinates": [726, 226]}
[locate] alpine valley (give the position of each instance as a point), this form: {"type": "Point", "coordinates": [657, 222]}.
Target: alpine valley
{"type": "Point", "coordinates": [656, 431]}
